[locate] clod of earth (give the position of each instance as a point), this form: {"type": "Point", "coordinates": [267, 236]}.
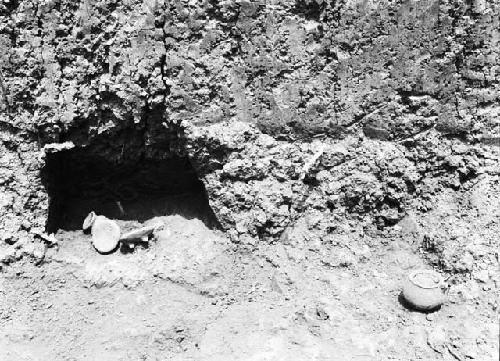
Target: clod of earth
{"type": "Point", "coordinates": [423, 290]}
{"type": "Point", "coordinates": [50, 239]}
{"type": "Point", "coordinates": [105, 234]}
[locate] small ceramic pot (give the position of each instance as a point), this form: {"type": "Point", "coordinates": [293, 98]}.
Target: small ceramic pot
{"type": "Point", "coordinates": [105, 234]}
{"type": "Point", "coordinates": [424, 290]}
{"type": "Point", "coordinates": [88, 221]}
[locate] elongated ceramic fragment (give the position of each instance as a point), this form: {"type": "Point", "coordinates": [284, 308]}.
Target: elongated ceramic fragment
{"type": "Point", "coordinates": [88, 221]}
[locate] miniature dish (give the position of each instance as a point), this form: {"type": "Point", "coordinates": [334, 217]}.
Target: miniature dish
{"type": "Point", "coordinates": [423, 290]}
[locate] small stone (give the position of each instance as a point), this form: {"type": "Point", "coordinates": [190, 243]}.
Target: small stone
{"type": "Point", "coordinates": [248, 240]}
{"type": "Point", "coordinates": [339, 258]}
{"type": "Point", "coordinates": [266, 141]}
{"type": "Point", "coordinates": [58, 147]}
{"type": "Point", "coordinates": [7, 237]}
{"type": "Point", "coordinates": [26, 225]}
{"type": "Point", "coordinates": [311, 26]}
{"type": "Point", "coordinates": [37, 230]}
{"type": "Point", "coordinates": [453, 160]}
{"type": "Point", "coordinates": [50, 239]}
{"type": "Point", "coordinates": [482, 276]}
{"type": "Point", "coordinates": [7, 255]}
{"type": "Point", "coordinates": [465, 263]}
{"type": "Point", "coordinates": [436, 339]}
{"type": "Point", "coordinates": [465, 292]}
{"type": "Point", "coordinates": [409, 227]}
{"type": "Point", "coordinates": [241, 228]}
{"type": "Point", "coordinates": [321, 313]}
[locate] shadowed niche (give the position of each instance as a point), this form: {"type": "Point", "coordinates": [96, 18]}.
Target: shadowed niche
{"type": "Point", "coordinates": [140, 189]}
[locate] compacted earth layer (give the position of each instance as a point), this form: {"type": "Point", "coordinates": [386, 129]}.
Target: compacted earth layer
{"type": "Point", "coordinates": [190, 295]}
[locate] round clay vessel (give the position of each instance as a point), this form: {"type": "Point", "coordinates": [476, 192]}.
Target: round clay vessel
{"type": "Point", "coordinates": [105, 234]}
{"type": "Point", "coordinates": [423, 290]}
{"type": "Point", "coordinates": [88, 221]}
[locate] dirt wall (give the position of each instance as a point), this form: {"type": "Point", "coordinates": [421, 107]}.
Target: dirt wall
{"type": "Point", "coordinates": [398, 101]}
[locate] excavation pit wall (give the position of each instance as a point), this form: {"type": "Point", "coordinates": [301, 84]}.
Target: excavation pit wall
{"type": "Point", "coordinates": [421, 79]}
{"type": "Point", "coordinates": [253, 184]}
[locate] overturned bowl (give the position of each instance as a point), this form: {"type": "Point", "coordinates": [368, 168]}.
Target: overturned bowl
{"type": "Point", "coordinates": [105, 234]}
{"type": "Point", "coordinates": [424, 290]}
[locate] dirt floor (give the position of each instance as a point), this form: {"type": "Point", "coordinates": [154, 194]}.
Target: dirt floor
{"type": "Point", "coordinates": [191, 296]}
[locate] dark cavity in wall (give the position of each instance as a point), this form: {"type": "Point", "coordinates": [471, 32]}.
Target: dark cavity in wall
{"type": "Point", "coordinates": [310, 9]}
{"type": "Point", "coordinates": [138, 189]}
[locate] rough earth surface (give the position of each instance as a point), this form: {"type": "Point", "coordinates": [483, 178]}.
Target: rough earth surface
{"type": "Point", "coordinates": [340, 145]}
{"type": "Point", "coordinates": [191, 295]}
